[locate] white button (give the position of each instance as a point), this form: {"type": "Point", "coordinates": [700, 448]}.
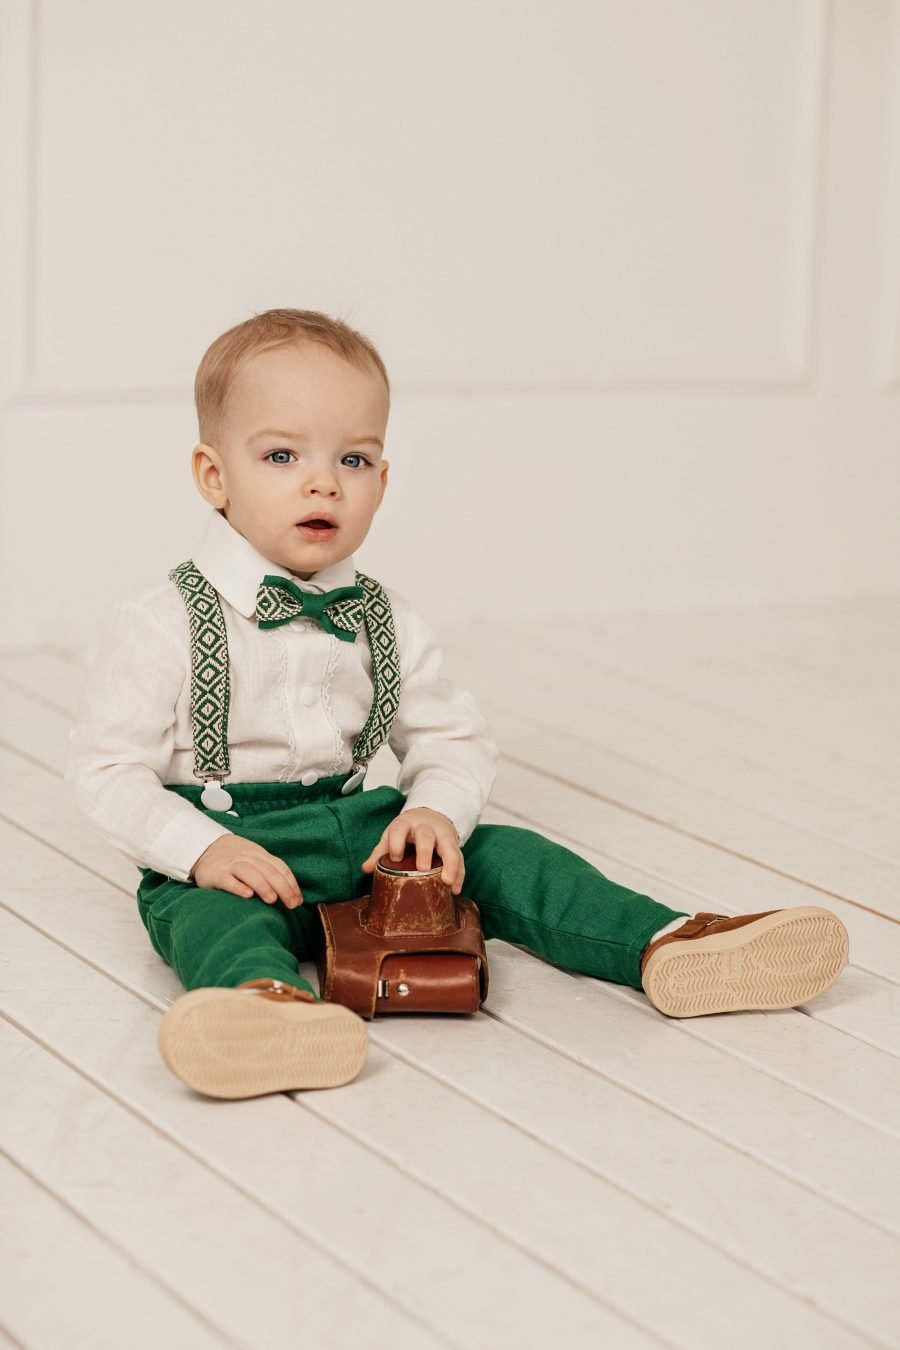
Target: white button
{"type": "Point", "coordinates": [308, 778]}
{"type": "Point", "coordinates": [352, 781]}
{"type": "Point", "coordinates": [309, 695]}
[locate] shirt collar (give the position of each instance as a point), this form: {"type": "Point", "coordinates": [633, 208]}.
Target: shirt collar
{"type": "Point", "coordinates": [236, 569]}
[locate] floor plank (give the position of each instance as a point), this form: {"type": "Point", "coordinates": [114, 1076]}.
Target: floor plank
{"type": "Point", "coordinates": [64, 1285]}
{"type": "Point", "coordinates": [174, 1219]}
{"type": "Point", "coordinates": [721, 754]}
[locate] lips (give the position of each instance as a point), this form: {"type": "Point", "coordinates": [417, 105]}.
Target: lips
{"type": "Point", "coordinates": [319, 522]}
{"type": "Point", "coordinates": [317, 528]}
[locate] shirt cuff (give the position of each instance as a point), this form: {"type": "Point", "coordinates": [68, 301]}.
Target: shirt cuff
{"type": "Point", "coordinates": [462, 807]}
{"type": "Point", "coordinates": [180, 842]}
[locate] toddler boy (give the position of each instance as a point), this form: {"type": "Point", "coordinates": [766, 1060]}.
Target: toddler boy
{"type": "Point", "coordinates": [271, 670]}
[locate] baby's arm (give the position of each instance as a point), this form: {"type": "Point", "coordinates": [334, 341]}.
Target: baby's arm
{"type": "Point", "coordinates": [448, 754]}
{"type": "Point", "coordinates": [121, 745]}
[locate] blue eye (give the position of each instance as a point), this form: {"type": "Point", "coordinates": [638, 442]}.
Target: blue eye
{"type": "Point", "coordinates": [352, 454]}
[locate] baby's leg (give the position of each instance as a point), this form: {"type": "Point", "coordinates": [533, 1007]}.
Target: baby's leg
{"type": "Point", "coordinates": [212, 937]}
{"type": "Point", "coordinates": [539, 894]}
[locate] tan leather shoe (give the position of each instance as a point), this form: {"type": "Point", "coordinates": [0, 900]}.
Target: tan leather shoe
{"type": "Point", "coordinates": [714, 963]}
{"type": "Point", "coordinates": [263, 1036]}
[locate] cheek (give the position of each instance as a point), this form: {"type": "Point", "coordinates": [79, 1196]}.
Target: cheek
{"type": "Point", "coordinates": [359, 495]}
{"type": "Point", "coordinates": [273, 484]}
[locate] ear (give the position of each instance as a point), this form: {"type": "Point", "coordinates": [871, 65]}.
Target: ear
{"type": "Point", "coordinates": [209, 474]}
{"type": "Point", "coordinates": [385, 466]}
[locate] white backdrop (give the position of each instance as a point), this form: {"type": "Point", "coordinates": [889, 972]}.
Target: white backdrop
{"type": "Point", "coordinates": [633, 266]}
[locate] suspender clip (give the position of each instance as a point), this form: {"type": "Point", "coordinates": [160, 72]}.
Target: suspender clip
{"type": "Point", "coordinates": [214, 797]}
{"type": "Point", "coordinates": [355, 778]}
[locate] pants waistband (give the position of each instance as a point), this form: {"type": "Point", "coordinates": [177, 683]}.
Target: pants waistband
{"type": "Point", "coordinates": [273, 794]}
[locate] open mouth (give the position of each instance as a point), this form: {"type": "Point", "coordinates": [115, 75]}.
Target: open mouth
{"type": "Point", "coordinates": [316, 529]}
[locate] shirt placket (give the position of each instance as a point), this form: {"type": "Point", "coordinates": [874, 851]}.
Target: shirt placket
{"type": "Point", "coordinates": [310, 653]}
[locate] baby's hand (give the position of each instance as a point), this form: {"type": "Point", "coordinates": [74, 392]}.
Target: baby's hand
{"type": "Point", "coordinates": [431, 830]}
{"type": "Point", "coordinates": [245, 868]}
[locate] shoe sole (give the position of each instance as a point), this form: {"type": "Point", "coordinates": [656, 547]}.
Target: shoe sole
{"type": "Point", "coordinates": [779, 961]}
{"type": "Point", "coordinates": [234, 1043]}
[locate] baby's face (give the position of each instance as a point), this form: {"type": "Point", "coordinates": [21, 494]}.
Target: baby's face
{"type": "Point", "coordinates": [304, 436]}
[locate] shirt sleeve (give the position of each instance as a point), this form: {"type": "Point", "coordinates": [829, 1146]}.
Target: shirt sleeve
{"type": "Point", "coordinates": [447, 752]}
{"type": "Point", "coordinates": [121, 745]}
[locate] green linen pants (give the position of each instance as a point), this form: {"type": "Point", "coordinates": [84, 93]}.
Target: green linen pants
{"type": "Point", "coordinates": [529, 890]}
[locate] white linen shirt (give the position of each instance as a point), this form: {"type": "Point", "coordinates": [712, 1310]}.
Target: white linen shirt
{"type": "Point", "coordinates": [299, 698]}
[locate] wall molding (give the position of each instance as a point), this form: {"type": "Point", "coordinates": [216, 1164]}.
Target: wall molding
{"type": "Point", "coordinates": [887, 341]}
{"type": "Point", "coordinates": [18, 82]}
{"type": "Point", "coordinates": [801, 248]}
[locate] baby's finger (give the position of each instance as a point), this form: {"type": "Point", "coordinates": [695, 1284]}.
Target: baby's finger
{"type": "Point", "coordinates": [454, 878]}
{"type": "Point", "coordinates": [234, 884]}
{"type": "Point", "coordinates": [423, 839]}
{"type": "Point", "coordinates": [454, 866]}
{"type": "Point", "coordinates": [285, 886]}
{"type": "Point", "coordinates": [293, 893]}
{"type": "Point", "coordinates": [397, 833]}
{"type": "Point", "coordinates": [376, 852]}
{"type": "Point", "coordinates": [251, 874]}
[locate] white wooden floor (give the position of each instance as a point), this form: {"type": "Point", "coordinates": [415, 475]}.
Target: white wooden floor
{"type": "Point", "coordinates": [567, 1168]}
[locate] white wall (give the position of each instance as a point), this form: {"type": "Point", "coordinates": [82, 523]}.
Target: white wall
{"type": "Point", "coordinates": [633, 266]}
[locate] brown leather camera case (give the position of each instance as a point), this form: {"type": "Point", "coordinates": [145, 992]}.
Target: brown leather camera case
{"type": "Point", "coordinates": [409, 946]}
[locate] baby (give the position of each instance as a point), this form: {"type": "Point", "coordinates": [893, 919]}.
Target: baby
{"type": "Point", "coordinates": [229, 713]}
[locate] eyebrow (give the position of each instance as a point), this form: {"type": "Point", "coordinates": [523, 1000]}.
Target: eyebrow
{"type": "Point", "coordinates": [301, 436]}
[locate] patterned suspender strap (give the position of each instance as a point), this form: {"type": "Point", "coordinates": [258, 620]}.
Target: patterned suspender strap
{"type": "Point", "coordinates": [385, 670]}
{"type": "Point", "coordinates": [210, 690]}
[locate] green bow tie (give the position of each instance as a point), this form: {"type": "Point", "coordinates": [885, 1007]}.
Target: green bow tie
{"type": "Point", "coordinates": [340, 611]}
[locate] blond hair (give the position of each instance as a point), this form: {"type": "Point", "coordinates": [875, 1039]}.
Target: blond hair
{"type": "Point", "coordinates": [272, 328]}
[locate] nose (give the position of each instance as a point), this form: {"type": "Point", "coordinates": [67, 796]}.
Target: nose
{"type": "Point", "coordinates": [321, 478]}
